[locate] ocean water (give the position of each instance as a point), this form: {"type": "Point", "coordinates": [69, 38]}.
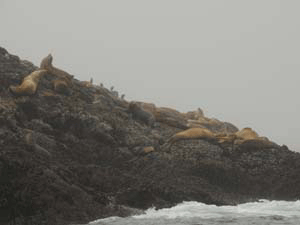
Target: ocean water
{"type": "Point", "coordinates": [196, 213]}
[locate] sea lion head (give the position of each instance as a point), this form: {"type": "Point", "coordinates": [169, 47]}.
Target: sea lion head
{"type": "Point", "coordinates": [47, 62]}
{"type": "Point", "coordinates": [50, 58]}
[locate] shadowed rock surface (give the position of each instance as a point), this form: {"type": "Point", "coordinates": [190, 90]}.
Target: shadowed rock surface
{"type": "Point", "coordinates": [79, 157]}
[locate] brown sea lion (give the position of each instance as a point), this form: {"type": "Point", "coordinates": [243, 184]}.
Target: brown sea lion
{"type": "Point", "coordinates": [86, 84]}
{"type": "Point", "coordinates": [140, 114]}
{"type": "Point", "coordinates": [192, 133]}
{"type": "Point", "coordinates": [29, 84]}
{"type": "Point", "coordinates": [226, 137]}
{"type": "Point", "coordinates": [149, 107]}
{"type": "Point", "coordinates": [240, 136]}
{"type": "Point", "coordinates": [171, 117]}
{"type": "Point", "coordinates": [28, 137]}
{"type": "Point", "coordinates": [61, 86]}
{"type": "Point", "coordinates": [163, 112]}
{"type": "Point", "coordinates": [168, 111]}
{"type": "Point", "coordinates": [192, 124]}
{"type": "Point", "coordinates": [209, 121]}
{"type": "Point", "coordinates": [205, 122]}
{"type": "Point", "coordinates": [46, 64]}
{"type": "Point", "coordinates": [194, 115]}
{"type": "Point", "coordinates": [246, 134]}
{"type": "Point", "coordinates": [148, 149]}
{"type": "Point", "coordinates": [30, 141]}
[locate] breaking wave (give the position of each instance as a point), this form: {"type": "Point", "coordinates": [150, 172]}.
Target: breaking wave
{"type": "Point", "coordinates": [261, 212]}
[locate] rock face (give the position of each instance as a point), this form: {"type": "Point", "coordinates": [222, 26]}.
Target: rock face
{"type": "Point", "coordinates": [78, 157]}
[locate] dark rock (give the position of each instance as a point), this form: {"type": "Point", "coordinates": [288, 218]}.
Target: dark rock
{"type": "Point", "coordinates": [75, 158]}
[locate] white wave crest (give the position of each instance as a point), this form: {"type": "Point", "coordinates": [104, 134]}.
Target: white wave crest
{"type": "Point", "coordinates": [201, 210]}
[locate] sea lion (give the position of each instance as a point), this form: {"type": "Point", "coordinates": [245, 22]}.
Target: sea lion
{"type": "Point", "coordinates": [168, 111]}
{"type": "Point", "coordinates": [192, 133]}
{"type": "Point", "coordinates": [164, 115]}
{"type": "Point", "coordinates": [148, 149]}
{"type": "Point", "coordinates": [246, 134]}
{"type": "Point", "coordinates": [194, 115]}
{"type": "Point", "coordinates": [46, 64]}
{"type": "Point", "coordinates": [30, 141]}
{"type": "Point", "coordinates": [61, 86]}
{"type": "Point", "coordinates": [149, 107]}
{"type": "Point", "coordinates": [214, 125]}
{"type": "Point", "coordinates": [225, 137]}
{"type": "Point", "coordinates": [240, 136]}
{"type": "Point", "coordinates": [192, 124]}
{"type": "Point", "coordinates": [204, 133]}
{"type": "Point", "coordinates": [200, 112]}
{"type": "Point", "coordinates": [28, 137]}
{"type": "Point", "coordinates": [86, 84]}
{"type": "Point", "coordinates": [201, 122]}
{"type": "Point", "coordinates": [171, 117]}
{"type": "Point", "coordinates": [163, 112]}
{"type": "Point", "coordinates": [140, 114]}
{"type": "Point", "coordinates": [29, 84]}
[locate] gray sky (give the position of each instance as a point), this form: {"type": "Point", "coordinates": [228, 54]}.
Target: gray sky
{"type": "Point", "coordinates": [239, 60]}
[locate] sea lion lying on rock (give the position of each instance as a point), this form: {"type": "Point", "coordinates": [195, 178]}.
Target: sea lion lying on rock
{"type": "Point", "coordinates": [164, 115]}
{"type": "Point", "coordinates": [242, 136]}
{"type": "Point", "coordinates": [29, 84]}
{"type": "Point", "coordinates": [204, 121]}
{"type": "Point", "coordinates": [140, 114]}
{"type": "Point", "coordinates": [30, 141]}
{"type": "Point", "coordinates": [148, 149]}
{"type": "Point", "coordinates": [213, 125]}
{"type": "Point", "coordinates": [246, 134]}
{"type": "Point", "coordinates": [61, 86]}
{"type": "Point", "coordinates": [192, 133]}
{"type": "Point", "coordinates": [87, 83]}
{"type": "Point", "coordinates": [171, 117]}
{"type": "Point", "coordinates": [149, 107]}
{"type": "Point", "coordinates": [194, 115]}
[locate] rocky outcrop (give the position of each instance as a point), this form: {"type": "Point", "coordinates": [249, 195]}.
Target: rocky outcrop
{"type": "Point", "coordinates": [74, 158]}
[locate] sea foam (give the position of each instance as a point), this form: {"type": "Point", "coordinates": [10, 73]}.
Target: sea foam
{"type": "Point", "coordinates": [197, 209]}
{"type": "Point", "coordinates": [276, 210]}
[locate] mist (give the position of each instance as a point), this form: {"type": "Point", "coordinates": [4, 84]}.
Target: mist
{"type": "Point", "coordinates": [237, 60]}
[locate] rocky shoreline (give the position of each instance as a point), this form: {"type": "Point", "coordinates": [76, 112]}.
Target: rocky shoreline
{"type": "Point", "coordinates": [82, 155]}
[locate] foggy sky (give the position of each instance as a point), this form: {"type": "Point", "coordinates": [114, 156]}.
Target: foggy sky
{"type": "Point", "coordinates": [238, 60]}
